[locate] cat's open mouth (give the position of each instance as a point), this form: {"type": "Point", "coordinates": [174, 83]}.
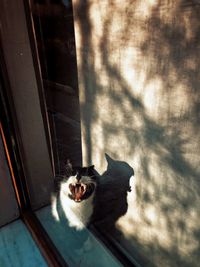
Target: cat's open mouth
{"type": "Point", "coordinates": [80, 191]}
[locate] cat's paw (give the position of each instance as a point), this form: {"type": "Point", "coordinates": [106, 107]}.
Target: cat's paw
{"type": "Point", "coordinates": [54, 210]}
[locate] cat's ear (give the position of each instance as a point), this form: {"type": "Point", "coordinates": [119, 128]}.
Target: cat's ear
{"type": "Point", "coordinates": [69, 168]}
{"type": "Point", "coordinates": [109, 160]}
{"type": "Point", "coordinates": [92, 172]}
{"type": "Point", "coordinates": [91, 167]}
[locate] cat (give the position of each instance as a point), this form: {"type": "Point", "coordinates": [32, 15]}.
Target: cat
{"type": "Point", "coordinates": [76, 196]}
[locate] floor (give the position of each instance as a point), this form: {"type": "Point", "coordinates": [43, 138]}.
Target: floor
{"type": "Point", "coordinates": [78, 248]}
{"type": "Point", "coordinates": [17, 248]}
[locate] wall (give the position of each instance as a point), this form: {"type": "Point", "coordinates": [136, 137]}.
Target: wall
{"type": "Point", "coordinates": [139, 76]}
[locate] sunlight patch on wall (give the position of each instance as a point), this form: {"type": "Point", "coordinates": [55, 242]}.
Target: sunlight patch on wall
{"type": "Point", "coordinates": [138, 79]}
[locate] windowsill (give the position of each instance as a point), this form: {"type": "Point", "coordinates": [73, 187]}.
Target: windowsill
{"type": "Point", "coordinates": [78, 248]}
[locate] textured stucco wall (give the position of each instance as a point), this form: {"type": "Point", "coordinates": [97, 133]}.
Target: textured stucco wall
{"type": "Point", "coordinates": [139, 80]}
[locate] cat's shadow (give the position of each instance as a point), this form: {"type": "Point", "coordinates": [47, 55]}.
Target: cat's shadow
{"type": "Point", "coordinates": [111, 194]}
{"type": "Point", "coordinates": [110, 204]}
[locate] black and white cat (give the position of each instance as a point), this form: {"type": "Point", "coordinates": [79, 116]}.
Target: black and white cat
{"type": "Point", "coordinates": [75, 196]}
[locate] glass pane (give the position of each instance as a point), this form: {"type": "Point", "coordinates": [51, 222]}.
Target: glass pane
{"type": "Point", "coordinates": [137, 93]}
{"type": "Point", "coordinates": [56, 45]}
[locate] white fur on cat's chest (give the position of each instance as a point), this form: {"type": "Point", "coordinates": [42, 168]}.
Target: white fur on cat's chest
{"type": "Point", "coordinates": [78, 214]}
{"type": "Point", "coordinates": [77, 211]}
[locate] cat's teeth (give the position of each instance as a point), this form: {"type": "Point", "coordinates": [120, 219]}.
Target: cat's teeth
{"type": "Point", "coordinates": [84, 186]}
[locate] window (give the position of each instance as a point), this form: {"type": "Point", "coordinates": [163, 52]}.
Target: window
{"type": "Point", "coordinates": [43, 129]}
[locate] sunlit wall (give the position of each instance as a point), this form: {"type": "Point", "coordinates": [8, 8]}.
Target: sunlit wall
{"type": "Point", "coordinates": [139, 82]}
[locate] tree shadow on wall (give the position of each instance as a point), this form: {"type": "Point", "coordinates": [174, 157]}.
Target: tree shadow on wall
{"type": "Point", "coordinates": [169, 53]}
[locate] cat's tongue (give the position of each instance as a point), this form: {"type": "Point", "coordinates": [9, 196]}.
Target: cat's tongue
{"type": "Point", "coordinates": [78, 192]}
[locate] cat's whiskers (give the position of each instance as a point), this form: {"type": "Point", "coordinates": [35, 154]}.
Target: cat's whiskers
{"type": "Point", "coordinates": [76, 195]}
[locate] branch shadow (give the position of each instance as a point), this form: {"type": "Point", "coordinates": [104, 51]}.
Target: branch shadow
{"type": "Point", "coordinates": [162, 135]}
